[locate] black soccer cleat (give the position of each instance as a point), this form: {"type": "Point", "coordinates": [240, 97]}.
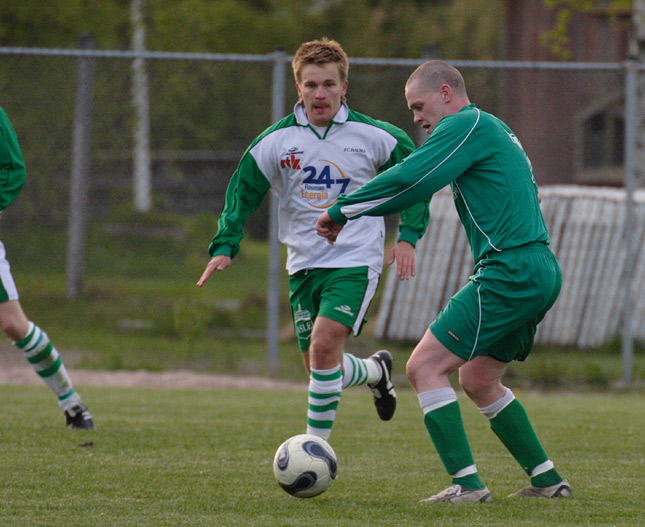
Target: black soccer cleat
{"type": "Point", "coordinates": [383, 390]}
{"type": "Point", "coordinates": [79, 417]}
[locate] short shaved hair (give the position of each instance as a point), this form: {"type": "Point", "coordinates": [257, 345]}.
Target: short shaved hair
{"type": "Point", "coordinates": [434, 73]}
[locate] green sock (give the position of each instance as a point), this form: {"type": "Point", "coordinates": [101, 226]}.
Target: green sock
{"type": "Point", "coordinates": [514, 429]}
{"type": "Point", "coordinates": [446, 429]}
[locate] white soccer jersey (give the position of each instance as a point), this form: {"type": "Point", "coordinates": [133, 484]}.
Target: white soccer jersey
{"type": "Point", "coordinates": [307, 169]}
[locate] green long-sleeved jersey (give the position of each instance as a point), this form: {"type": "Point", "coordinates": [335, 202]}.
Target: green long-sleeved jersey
{"type": "Point", "coordinates": [12, 165]}
{"type": "Point", "coordinates": [490, 175]}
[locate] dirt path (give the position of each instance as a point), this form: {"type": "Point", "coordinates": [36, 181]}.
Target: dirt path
{"type": "Point", "coordinates": [15, 370]}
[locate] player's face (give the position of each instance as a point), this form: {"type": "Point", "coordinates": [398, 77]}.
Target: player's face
{"type": "Point", "coordinates": [321, 91]}
{"type": "Point", "coordinates": [428, 107]}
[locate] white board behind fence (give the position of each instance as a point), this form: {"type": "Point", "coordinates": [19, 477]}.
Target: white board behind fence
{"type": "Point", "coordinates": [586, 225]}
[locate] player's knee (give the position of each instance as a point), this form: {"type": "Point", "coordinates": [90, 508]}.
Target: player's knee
{"type": "Point", "coordinates": [410, 370]}
{"type": "Point", "coordinates": [415, 366]}
{"type": "Point", "coordinates": [13, 328]}
{"type": "Point", "coordinates": [322, 352]}
{"type": "Point", "coordinates": [472, 385]}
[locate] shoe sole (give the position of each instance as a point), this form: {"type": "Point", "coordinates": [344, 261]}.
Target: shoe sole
{"type": "Point", "coordinates": [385, 361]}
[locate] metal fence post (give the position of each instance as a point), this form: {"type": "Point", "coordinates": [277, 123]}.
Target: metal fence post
{"type": "Point", "coordinates": [273, 292]}
{"type": "Point", "coordinates": [140, 100]}
{"type": "Point", "coordinates": [81, 152]}
{"type": "Point", "coordinates": [631, 105]}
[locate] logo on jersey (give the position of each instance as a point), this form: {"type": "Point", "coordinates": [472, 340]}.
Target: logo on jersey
{"type": "Point", "coordinates": [324, 182]}
{"type": "Point", "coordinates": [515, 140]}
{"type": "Point", "coordinates": [289, 159]}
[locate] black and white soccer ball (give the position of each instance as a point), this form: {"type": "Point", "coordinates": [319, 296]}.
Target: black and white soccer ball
{"type": "Point", "coordinates": [305, 466]}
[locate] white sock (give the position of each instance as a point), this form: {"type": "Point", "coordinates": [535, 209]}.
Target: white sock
{"type": "Point", "coordinates": [492, 410]}
{"type": "Point", "coordinates": [433, 399]}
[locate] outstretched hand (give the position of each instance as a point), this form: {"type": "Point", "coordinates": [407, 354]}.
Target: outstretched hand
{"type": "Point", "coordinates": [217, 263]}
{"type": "Point", "coordinates": [327, 228]}
{"type": "Point", "coordinates": [404, 254]}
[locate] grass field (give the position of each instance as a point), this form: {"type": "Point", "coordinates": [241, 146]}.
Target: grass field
{"type": "Point", "coordinates": [203, 458]}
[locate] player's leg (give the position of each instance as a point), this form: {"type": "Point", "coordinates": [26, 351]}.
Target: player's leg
{"type": "Point", "coordinates": [45, 360]}
{"type": "Point", "coordinates": [345, 298]}
{"type": "Point", "coordinates": [481, 380]}
{"type": "Point", "coordinates": [537, 276]}
{"type": "Point", "coordinates": [325, 378]}
{"type": "Point", "coordinates": [321, 342]}
{"type": "Point", "coordinates": [38, 349]}
{"type": "Point", "coordinates": [428, 369]}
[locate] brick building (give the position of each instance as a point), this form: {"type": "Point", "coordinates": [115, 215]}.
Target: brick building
{"type": "Point", "coordinates": [570, 122]}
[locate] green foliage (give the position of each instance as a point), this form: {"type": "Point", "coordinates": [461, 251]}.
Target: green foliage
{"type": "Point", "coordinates": [169, 457]}
{"type": "Point", "coordinates": [388, 28]}
{"type": "Point", "coordinates": [59, 23]}
{"type": "Point", "coordinates": [198, 108]}
{"type": "Point", "coordinates": [557, 39]}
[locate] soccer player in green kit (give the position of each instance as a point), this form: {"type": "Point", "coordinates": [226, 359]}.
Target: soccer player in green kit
{"type": "Point", "coordinates": [492, 320]}
{"type": "Point", "coordinates": [27, 336]}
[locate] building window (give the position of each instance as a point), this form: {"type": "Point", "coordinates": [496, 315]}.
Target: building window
{"type": "Point", "coordinates": [600, 144]}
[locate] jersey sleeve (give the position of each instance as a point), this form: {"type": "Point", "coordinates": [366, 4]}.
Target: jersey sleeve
{"type": "Point", "coordinates": [432, 166]}
{"type": "Point", "coordinates": [244, 194]}
{"type": "Point", "coordinates": [414, 220]}
{"type": "Point", "coordinates": [12, 165]}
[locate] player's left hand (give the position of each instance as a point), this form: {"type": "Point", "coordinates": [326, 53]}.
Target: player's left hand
{"type": "Point", "coordinates": [327, 228]}
{"type": "Point", "coordinates": [405, 256]}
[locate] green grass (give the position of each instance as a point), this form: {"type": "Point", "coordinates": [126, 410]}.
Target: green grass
{"type": "Point", "coordinates": [141, 309]}
{"type": "Point", "coordinates": [203, 458]}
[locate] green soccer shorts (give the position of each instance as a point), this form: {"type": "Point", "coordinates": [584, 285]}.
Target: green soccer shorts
{"type": "Point", "coordinates": [498, 311]}
{"type": "Point", "coordinates": [340, 294]}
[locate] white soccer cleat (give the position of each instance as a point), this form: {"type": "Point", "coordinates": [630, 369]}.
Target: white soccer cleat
{"type": "Point", "coordinates": [559, 490]}
{"type": "Point", "coordinates": [458, 494]}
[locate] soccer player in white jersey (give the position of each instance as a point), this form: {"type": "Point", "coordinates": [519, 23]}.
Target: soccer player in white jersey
{"type": "Point", "coordinates": [28, 337]}
{"type": "Point", "coordinates": [307, 160]}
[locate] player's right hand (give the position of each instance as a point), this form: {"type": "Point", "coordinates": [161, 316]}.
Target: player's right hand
{"type": "Point", "coordinates": [217, 263]}
{"type": "Point", "coordinates": [327, 228]}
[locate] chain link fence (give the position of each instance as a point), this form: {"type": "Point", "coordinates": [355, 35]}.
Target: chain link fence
{"type": "Point", "coordinates": [205, 109]}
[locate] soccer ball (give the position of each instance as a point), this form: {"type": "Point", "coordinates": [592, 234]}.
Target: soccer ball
{"type": "Point", "coordinates": [305, 466]}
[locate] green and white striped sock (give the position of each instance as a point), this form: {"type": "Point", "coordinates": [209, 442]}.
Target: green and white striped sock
{"type": "Point", "coordinates": [44, 359]}
{"type": "Point", "coordinates": [359, 371]}
{"type": "Point", "coordinates": [325, 387]}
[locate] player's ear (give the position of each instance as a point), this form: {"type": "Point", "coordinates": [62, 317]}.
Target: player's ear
{"type": "Point", "coordinates": [300, 99]}
{"type": "Point", "coordinates": [446, 93]}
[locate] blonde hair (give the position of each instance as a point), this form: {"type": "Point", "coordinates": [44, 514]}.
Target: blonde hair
{"type": "Point", "coordinates": [323, 51]}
